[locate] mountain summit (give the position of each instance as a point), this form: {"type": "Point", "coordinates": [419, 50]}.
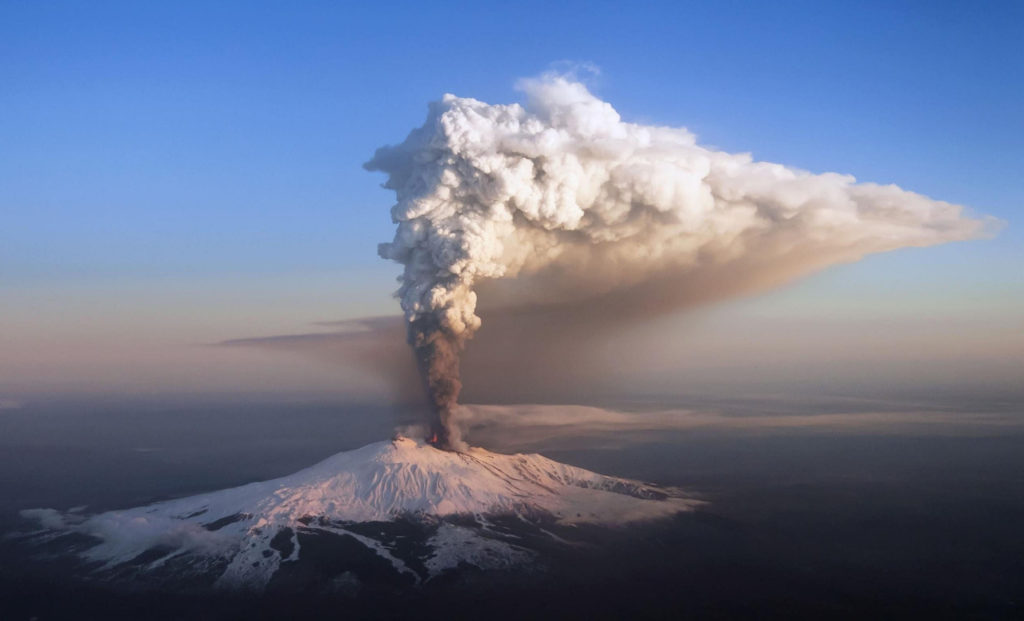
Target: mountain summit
{"type": "Point", "coordinates": [244, 535]}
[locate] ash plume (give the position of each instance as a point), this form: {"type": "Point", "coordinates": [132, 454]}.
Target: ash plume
{"type": "Point", "coordinates": [558, 203]}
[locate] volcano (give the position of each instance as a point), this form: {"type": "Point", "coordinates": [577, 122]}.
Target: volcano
{"type": "Point", "coordinates": [421, 510]}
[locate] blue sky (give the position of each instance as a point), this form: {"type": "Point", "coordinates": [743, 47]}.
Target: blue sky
{"type": "Point", "coordinates": [199, 149]}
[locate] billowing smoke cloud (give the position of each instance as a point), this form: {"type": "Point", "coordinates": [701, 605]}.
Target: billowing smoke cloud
{"type": "Point", "coordinates": [559, 203]}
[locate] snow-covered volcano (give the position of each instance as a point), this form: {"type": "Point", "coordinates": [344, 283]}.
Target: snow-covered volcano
{"type": "Point", "coordinates": [245, 534]}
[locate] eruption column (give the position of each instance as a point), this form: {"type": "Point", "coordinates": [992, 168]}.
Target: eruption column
{"type": "Point", "coordinates": [437, 356]}
{"type": "Point", "coordinates": [560, 202]}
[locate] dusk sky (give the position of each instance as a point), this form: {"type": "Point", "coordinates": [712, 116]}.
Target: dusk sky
{"type": "Point", "coordinates": [174, 176]}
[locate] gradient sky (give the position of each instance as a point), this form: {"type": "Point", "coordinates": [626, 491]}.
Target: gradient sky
{"type": "Point", "coordinates": [175, 174]}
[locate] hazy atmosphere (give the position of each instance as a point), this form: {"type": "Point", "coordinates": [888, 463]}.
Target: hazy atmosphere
{"type": "Point", "coordinates": [167, 192]}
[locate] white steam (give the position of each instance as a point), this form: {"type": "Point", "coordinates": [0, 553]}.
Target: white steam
{"type": "Point", "coordinates": [565, 203]}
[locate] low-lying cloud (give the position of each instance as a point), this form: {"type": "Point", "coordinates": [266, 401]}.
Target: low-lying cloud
{"type": "Point", "coordinates": [522, 427]}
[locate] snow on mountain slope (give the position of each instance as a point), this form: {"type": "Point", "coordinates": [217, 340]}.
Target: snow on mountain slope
{"type": "Point", "coordinates": [248, 531]}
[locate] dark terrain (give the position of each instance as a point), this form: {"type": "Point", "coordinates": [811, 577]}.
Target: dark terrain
{"type": "Point", "coordinates": [798, 524]}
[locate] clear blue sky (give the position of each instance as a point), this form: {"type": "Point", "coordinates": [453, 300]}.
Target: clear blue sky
{"type": "Point", "coordinates": [223, 142]}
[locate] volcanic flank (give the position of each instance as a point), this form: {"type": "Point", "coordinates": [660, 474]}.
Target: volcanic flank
{"type": "Point", "coordinates": [240, 537]}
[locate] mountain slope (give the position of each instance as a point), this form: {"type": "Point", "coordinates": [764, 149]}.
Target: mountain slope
{"type": "Point", "coordinates": [244, 534]}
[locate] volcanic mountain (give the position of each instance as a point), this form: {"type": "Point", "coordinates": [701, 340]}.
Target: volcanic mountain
{"type": "Point", "coordinates": [420, 509]}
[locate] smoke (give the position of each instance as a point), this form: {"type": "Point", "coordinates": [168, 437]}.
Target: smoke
{"type": "Point", "coordinates": [560, 206]}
